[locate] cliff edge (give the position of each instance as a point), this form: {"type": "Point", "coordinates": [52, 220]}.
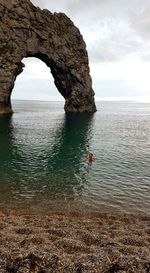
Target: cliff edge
{"type": "Point", "coordinates": [28, 31]}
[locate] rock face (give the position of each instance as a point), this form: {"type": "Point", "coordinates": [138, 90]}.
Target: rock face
{"type": "Point", "coordinates": [28, 31]}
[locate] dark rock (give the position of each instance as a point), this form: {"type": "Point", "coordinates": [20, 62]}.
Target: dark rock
{"type": "Point", "coordinates": [27, 31]}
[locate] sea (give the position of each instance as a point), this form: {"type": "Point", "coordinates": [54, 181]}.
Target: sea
{"type": "Point", "coordinates": [43, 158]}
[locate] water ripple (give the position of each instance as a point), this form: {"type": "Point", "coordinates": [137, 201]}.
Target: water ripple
{"type": "Point", "coordinates": [43, 157]}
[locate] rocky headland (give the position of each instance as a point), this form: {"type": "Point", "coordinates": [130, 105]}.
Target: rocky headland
{"type": "Point", "coordinates": [28, 31]}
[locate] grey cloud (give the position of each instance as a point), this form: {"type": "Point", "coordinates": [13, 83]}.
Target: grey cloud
{"type": "Point", "coordinates": [58, 6]}
{"type": "Point", "coordinates": [144, 52]}
{"type": "Point", "coordinates": [115, 40]}
{"type": "Point", "coordinates": [112, 29]}
{"type": "Point", "coordinates": [112, 50]}
{"type": "Point", "coordinates": [141, 22]}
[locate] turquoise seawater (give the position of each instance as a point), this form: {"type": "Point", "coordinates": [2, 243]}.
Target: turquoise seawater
{"type": "Point", "coordinates": [43, 155]}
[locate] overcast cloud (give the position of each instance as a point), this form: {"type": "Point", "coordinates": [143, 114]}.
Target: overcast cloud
{"type": "Point", "coordinates": [112, 29]}
{"type": "Point", "coordinates": [117, 35]}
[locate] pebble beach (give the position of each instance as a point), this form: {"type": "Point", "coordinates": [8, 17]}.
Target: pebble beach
{"type": "Point", "coordinates": [75, 242]}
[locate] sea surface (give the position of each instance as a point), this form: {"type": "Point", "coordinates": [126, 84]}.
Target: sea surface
{"type": "Point", "coordinates": [43, 158]}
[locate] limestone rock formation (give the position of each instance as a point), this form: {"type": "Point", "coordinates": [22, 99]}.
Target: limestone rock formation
{"type": "Point", "coordinates": [28, 31]}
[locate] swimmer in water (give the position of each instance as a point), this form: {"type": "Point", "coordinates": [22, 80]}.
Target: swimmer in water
{"type": "Point", "coordinates": [90, 157]}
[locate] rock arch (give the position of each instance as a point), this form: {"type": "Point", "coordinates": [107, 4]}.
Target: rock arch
{"type": "Point", "coordinates": [28, 31]}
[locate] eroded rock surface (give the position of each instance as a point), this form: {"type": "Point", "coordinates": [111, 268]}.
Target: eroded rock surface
{"type": "Point", "coordinates": [28, 31]}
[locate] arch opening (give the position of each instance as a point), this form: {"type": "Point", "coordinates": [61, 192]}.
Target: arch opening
{"type": "Point", "coordinates": [35, 82]}
{"type": "Point", "coordinates": [64, 80]}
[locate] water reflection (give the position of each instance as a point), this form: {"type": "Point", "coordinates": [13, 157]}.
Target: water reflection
{"type": "Point", "coordinates": [68, 154]}
{"type": "Point", "coordinates": [43, 154]}
{"type": "Point", "coordinates": [6, 129]}
{"type": "Point", "coordinates": [43, 160]}
{"type": "Point", "coordinates": [71, 143]}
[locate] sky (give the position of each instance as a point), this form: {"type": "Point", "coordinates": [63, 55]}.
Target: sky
{"type": "Point", "coordinates": [117, 36]}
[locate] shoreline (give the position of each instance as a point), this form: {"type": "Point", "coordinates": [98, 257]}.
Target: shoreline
{"type": "Point", "coordinates": [74, 242]}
